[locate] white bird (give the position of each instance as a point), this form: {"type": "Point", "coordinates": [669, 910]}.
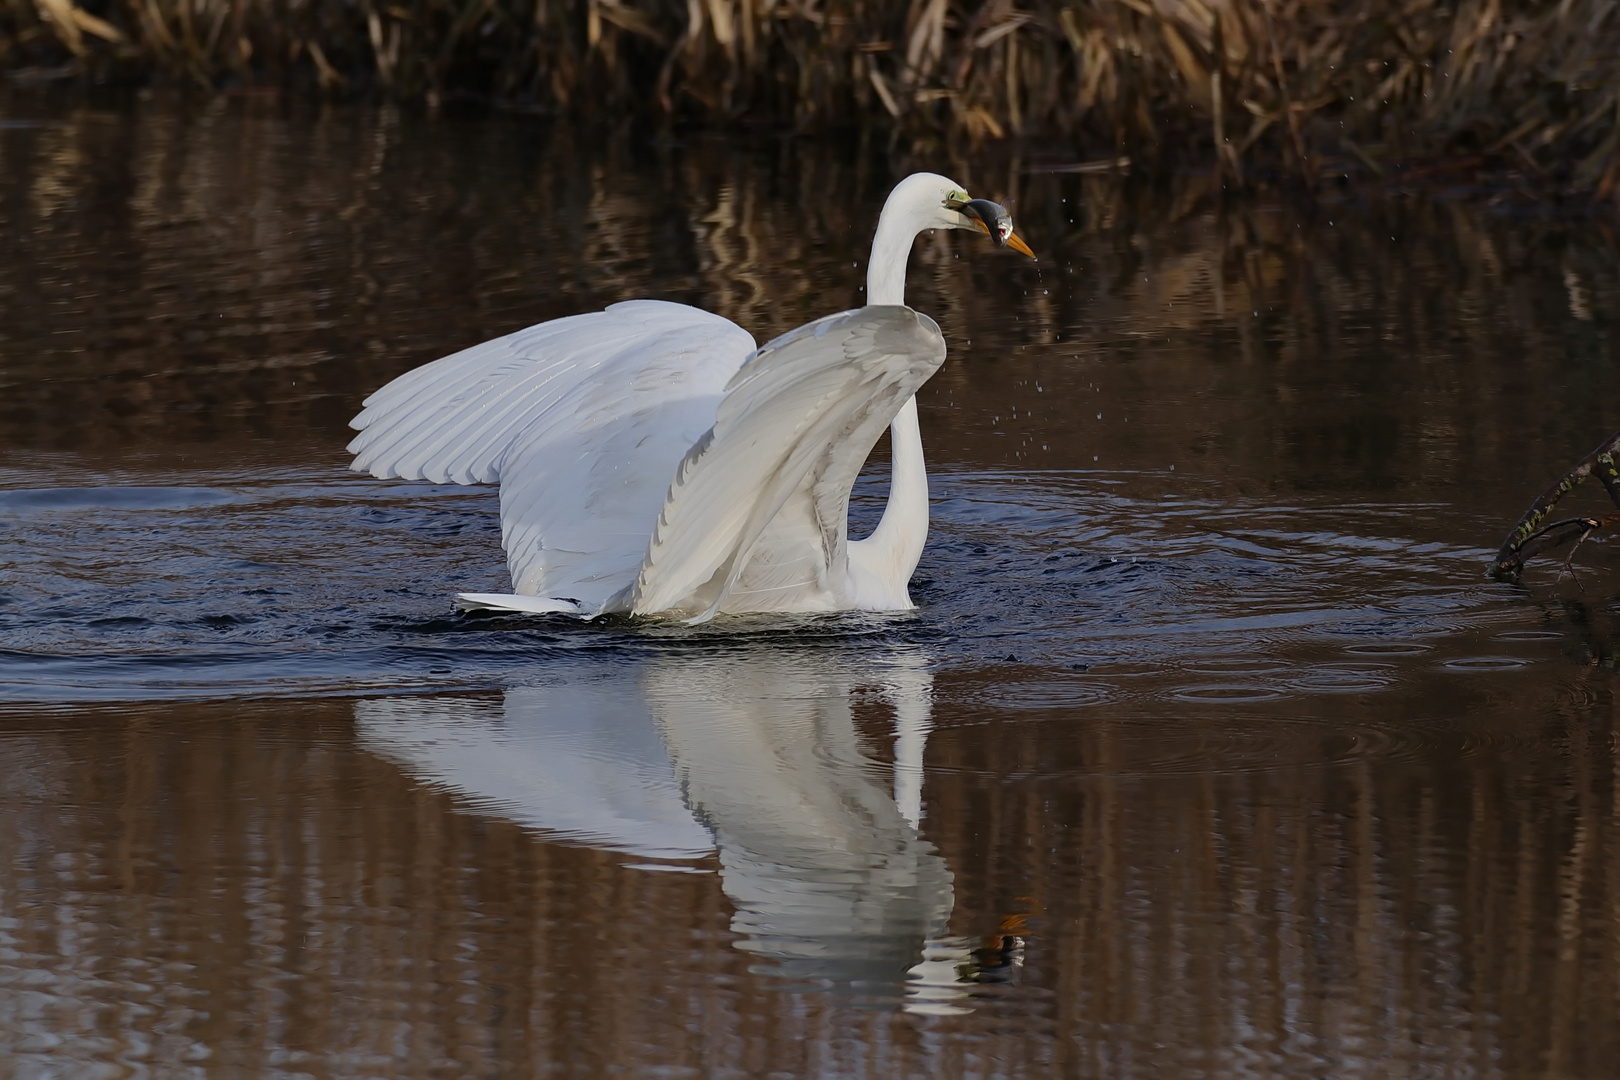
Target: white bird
{"type": "Point", "coordinates": [652, 460]}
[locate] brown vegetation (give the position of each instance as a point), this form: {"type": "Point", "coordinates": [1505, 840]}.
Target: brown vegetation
{"type": "Point", "coordinates": [1323, 88]}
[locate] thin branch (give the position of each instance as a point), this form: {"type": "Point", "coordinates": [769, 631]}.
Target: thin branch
{"type": "Point", "coordinates": [1529, 537]}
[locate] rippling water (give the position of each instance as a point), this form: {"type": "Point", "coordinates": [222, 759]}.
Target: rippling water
{"type": "Point", "coordinates": [1210, 749]}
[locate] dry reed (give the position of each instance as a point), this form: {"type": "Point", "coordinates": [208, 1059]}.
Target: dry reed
{"type": "Point", "coordinates": [1323, 88]}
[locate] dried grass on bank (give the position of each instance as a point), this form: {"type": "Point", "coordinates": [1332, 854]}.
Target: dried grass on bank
{"type": "Point", "coordinates": [1318, 87]}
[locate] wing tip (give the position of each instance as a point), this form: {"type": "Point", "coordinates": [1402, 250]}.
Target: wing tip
{"type": "Point", "coordinates": [532, 605]}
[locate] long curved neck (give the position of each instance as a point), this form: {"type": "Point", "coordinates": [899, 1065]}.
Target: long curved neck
{"type": "Point", "coordinates": [891, 250]}
{"type": "Point", "coordinates": [896, 544]}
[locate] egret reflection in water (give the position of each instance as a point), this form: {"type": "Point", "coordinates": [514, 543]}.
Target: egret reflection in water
{"type": "Point", "coordinates": [756, 759]}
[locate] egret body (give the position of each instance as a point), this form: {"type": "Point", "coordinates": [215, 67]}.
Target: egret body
{"type": "Point", "coordinates": [652, 460]}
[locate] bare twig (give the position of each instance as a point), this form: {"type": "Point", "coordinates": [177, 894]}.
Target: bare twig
{"type": "Point", "coordinates": [1530, 537]}
{"type": "Point", "coordinates": [1593, 524]}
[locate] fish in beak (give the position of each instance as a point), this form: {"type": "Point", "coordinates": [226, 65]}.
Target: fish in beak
{"type": "Point", "coordinates": [996, 223]}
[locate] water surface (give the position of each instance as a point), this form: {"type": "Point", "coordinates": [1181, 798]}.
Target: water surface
{"type": "Point", "coordinates": [1210, 750]}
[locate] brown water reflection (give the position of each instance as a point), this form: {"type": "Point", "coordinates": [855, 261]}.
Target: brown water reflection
{"type": "Point", "coordinates": [244, 890]}
{"type": "Point", "coordinates": [215, 275]}
{"type": "Point", "coordinates": [1235, 764]}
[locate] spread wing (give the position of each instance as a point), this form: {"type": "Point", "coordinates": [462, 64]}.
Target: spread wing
{"type": "Point", "coordinates": [581, 420]}
{"type": "Point", "coordinates": [757, 516]}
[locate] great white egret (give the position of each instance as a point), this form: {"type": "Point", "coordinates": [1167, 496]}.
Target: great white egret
{"type": "Point", "coordinates": [651, 459]}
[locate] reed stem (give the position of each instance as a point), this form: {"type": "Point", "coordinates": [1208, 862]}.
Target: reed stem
{"type": "Point", "coordinates": [1362, 87]}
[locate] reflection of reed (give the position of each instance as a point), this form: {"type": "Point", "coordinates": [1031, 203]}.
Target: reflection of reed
{"type": "Point", "coordinates": [1404, 345]}
{"type": "Point", "coordinates": [1442, 913]}
{"type": "Point", "coordinates": [219, 273]}
{"type": "Point", "coordinates": [242, 880]}
{"type": "Point", "coordinates": [226, 272]}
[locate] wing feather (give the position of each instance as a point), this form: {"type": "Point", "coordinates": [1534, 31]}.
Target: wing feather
{"type": "Point", "coordinates": [756, 517]}
{"type": "Point", "coordinates": [582, 420]}
{"type": "Point", "coordinates": [451, 421]}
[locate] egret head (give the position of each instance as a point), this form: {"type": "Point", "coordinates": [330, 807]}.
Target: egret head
{"type": "Point", "coordinates": [931, 201]}
{"type": "Point", "coordinates": [920, 202]}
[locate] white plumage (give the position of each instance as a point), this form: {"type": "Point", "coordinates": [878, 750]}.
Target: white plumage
{"type": "Point", "coordinates": [652, 460]}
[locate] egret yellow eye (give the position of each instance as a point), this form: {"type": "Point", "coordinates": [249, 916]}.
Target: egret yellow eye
{"type": "Point", "coordinates": [956, 200]}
